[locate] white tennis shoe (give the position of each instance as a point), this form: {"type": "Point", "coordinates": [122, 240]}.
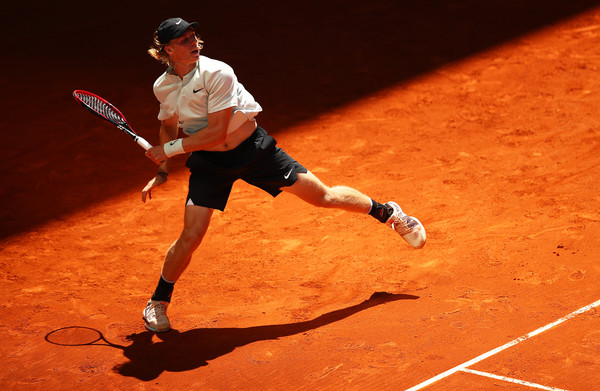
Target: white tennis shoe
{"type": "Point", "coordinates": [155, 316]}
{"type": "Point", "coordinates": [410, 228]}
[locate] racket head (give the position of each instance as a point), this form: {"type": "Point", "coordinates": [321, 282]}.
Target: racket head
{"type": "Point", "coordinates": [101, 107]}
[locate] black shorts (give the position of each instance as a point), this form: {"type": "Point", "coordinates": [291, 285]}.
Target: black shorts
{"type": "Point", "coordinates": [257, 161]}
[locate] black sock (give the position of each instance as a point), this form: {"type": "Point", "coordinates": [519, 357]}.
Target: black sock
{"type": "Point", "coordinates": [163, 291]}
{"type": "Point", "coordinates": [380, 212]}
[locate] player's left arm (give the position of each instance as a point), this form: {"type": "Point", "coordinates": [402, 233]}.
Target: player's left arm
{"type": "Point", "coordinates": [213, 134]}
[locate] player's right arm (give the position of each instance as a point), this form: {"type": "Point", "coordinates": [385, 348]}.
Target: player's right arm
{"type": "Point", "coordinates": [169, 129]}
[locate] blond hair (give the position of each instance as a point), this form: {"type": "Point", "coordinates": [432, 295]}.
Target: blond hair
{"type": "Point", "coordinates": [157, 50]}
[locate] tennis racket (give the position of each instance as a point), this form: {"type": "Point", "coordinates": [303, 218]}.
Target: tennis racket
{"type": "Point", "coordinates": [102, 108]}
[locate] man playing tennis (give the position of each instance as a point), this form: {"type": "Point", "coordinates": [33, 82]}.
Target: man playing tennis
{"type": "Point", "coordinates": [203, 97]}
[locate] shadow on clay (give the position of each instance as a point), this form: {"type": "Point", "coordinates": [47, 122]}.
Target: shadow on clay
{"type": "Point", "coordinates": [188, 350]}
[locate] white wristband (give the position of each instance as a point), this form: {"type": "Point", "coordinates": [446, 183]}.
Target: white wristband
{"type": "Point", "coordinates": [174, 147]}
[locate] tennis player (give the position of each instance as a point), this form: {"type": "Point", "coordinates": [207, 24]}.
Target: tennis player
{"type": "Point", "coordinates": [202, 97]}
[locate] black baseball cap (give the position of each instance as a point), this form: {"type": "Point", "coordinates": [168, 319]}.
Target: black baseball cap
{"type": "Point", "coordinates": [172, 28]}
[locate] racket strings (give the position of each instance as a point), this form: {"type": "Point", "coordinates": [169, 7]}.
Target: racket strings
{"type": "Point", "coordinates": [102, 108]}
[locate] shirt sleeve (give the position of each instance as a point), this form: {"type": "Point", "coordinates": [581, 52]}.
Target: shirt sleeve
{"type": "Point", "coordinates": [221, 87]}
{"type": "Point", "coordinates": [165, 93]}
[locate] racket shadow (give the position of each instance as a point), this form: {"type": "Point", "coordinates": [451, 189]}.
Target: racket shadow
{"type": "Point", "coordinates": [188, 350]}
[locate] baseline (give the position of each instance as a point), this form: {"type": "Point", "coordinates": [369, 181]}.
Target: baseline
{"type": "Point", "coordinates": [512, 380]}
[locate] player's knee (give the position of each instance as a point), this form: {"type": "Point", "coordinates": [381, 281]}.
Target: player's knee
{"type": "Point", "coordinates": [192, 236]}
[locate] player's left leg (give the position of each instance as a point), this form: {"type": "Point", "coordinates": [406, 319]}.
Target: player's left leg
{"type": "Point", "coordinates": [310, 189]}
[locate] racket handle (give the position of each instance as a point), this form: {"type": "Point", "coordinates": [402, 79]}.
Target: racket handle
{"type": "Point", "coordinates": [143, 143]}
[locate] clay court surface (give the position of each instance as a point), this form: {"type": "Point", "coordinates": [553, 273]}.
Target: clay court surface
{"type": "Point", "coordinates": [482, 121]}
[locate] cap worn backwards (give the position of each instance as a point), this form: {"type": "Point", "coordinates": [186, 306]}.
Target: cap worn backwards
{"type": "Point", "coordinates": [172, 28]}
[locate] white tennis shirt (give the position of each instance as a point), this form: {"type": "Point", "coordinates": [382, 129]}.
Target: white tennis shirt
{"type": "Point", "coordinates": [212, 86]}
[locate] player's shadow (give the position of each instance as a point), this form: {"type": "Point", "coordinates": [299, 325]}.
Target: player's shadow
{"type": "Point", "coordinates": [184, 351]}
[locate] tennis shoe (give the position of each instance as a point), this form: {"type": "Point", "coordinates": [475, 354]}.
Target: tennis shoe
{"type": "Point", "coordinates": [155, 316]}
{"type": "Point", "coordinates": [410, 228]}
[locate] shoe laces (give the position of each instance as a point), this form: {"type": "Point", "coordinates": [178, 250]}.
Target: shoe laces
{"type": "Point", "coordinates": [158, 309]}
{"type": "Point", "coordinates": [403, 224]}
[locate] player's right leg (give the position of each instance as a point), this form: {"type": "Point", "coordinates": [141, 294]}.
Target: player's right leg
{"type": "Point", "coordinates": [195, 224]}
{"type": "Point", "coordinates": [177, 259]}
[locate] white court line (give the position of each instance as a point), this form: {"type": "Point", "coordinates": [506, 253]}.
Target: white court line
{"type": "Point", "coordinates": [503, 347]}
{"type": "Point", "coordinates": [511, 380]}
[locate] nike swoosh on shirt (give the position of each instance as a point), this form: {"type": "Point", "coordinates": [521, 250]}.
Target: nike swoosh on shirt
{"type": "Point", "coordinates": [198, 90]}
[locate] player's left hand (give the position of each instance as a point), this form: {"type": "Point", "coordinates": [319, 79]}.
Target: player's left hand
{"type": "Point", "coordinates": [157, 154]}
